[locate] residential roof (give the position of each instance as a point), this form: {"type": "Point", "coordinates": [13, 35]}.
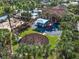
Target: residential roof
{"type": "Point", "coordinates": [41, 20]}
{"type": "Point", "coordinates": [58, 10]}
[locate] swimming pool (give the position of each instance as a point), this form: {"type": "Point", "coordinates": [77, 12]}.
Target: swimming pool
{"type": "Point", "coordinates": [3, 17]}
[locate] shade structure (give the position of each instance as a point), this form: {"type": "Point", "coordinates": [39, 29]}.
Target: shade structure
{"type": "Point", "coordinates": [41, 20]}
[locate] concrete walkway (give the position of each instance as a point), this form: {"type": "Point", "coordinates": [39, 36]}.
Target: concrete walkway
{"type": "Point", "coordinates": [54, 33]}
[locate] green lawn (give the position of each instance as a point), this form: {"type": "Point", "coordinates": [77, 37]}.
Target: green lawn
{"type": "Point", "coordinates": [29, 31]}
{"type": "Point", "coordinates": [52, 39]}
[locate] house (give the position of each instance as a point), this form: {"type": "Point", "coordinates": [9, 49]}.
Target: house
{"type": "Point", "coordinates": [54, 13]}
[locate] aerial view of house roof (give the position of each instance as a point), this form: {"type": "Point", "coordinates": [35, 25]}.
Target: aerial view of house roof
{"type": "Point", "coordinates": [58, 10]}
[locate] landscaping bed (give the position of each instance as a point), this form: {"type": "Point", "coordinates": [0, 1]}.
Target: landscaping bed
{"type": "Point", "coordinates": [34, 39]}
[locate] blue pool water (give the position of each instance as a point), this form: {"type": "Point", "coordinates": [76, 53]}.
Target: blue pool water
{"type": "Point", "coordinates": [3, 17]}
{"type": "Point", "coordinates": [52, 28]}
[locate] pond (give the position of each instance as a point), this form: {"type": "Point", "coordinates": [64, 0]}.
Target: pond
{"type": "Point", "coordinates": [3, 17]}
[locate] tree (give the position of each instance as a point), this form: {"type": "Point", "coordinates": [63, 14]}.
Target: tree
{"type": "Point", "coordinates": [26, 16]}
{"type": "Point", "coordinates": [65, 45]}
{"type": "Point", "coordinates": [6, 36]}
{"type": "Point", "coordinates": [34, 52]}
{"type": "Point", "coordinates": [68, 22]}
{"type": "Point", "coordinates": [55, 2]}
{"type": "Point", "coordinates": [74, 9]}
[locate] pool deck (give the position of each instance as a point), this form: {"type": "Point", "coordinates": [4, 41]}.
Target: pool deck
{"type": "Point", "coordinates": [54, 33]}
{"type": "Point", "coordinates": [51, 33]}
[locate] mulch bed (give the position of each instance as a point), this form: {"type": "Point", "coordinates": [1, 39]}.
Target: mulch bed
{"type": "Point", "coordinates": [34, 39]}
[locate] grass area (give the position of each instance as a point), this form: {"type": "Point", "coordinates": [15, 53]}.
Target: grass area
{"type": "Point", "coordinates": [29, 31]}
{"type": "Point", "coordinates": [15, 47]}
{"type": "Point", "coordinates": [52, 39]}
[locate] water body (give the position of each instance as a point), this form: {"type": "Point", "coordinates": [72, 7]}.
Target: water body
{"type": "Point", "coordinates": [3, 17]}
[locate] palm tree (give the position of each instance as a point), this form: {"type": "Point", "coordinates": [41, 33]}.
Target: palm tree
{"type": "Point", "coordinates": [33, 52]}
{"type": "Point", "coordinates": [24, 52]}
{"type": "Point", "coordinates": [65, 45]}
{"type": "Point", "coordinates": [5, 39]}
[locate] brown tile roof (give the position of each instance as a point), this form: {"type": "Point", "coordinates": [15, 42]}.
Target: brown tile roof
{"type": "Point", "coordinates": [58, 10]}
